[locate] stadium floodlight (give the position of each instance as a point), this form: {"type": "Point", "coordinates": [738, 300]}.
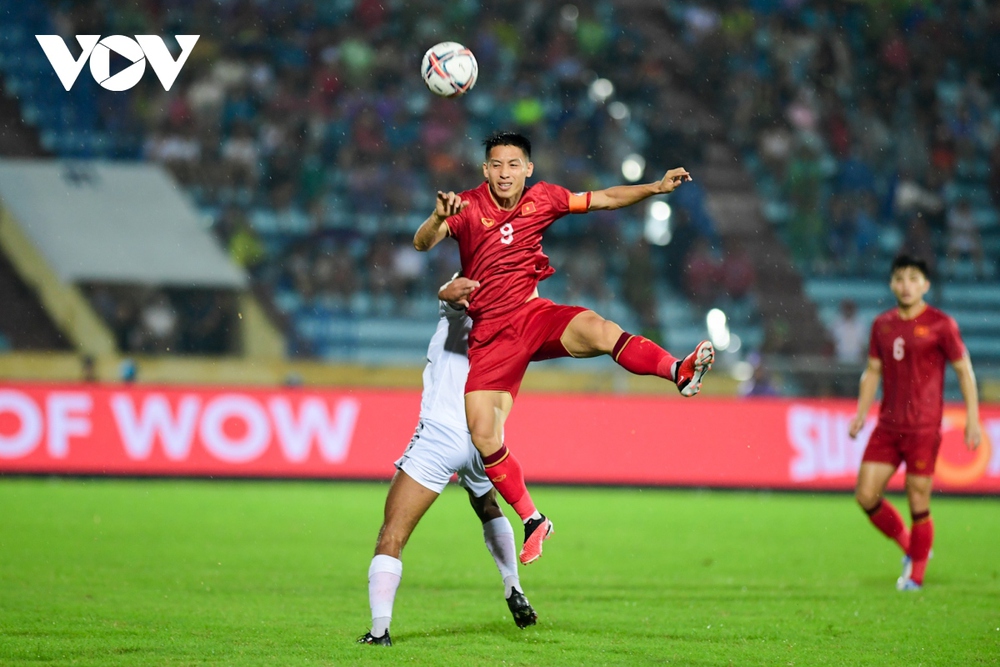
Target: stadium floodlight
{"type": "Point", "coordinates": [569, 14]}
{"type": "Point", "coordinates": [657, 232]}
{"type": "Point", "coordinates": [619, 111]}
{"type": "Point", "coordinates": [718, 329]}
{"type": "Point", "coordinates": [735, 343]}
{"type": "Point", "coordinates": [660, 210]}
{"type": "Point", "coordinates": [657, 228]}
{"type": "Point", "coordinates": [600, 90]}
{"type": "Point", "coordinates": [633, 167]}
{"type": "Point", "coordinates": [742, 371]}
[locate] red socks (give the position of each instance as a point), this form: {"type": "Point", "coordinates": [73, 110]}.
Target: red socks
{"type": "Point", "coordinates": [887, 519]}
{"type": "Point", "coordinates": [916, 544]}
{"type": "Point", "coordinates": [921, 539]}
{"type": "Point", "coordinates": [643, 357]}
{"type": "Point", "coordinates": [508, 478]}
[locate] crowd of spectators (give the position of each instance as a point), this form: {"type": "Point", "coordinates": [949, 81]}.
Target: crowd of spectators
{"type": "Point", "coordinates": [871, 127]}
{"type": "Point", "coordinates": [303, 128]}
{"type": "Point", "coordinates": [150, 320]}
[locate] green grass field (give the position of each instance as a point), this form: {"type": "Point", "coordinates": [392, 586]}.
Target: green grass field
{"type": "Point", "coordinates": [99, 572]}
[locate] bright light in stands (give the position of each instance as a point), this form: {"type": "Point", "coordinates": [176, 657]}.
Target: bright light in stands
{"type": "Point", "coordinates": [657, 228]}
{"type": "Point", "coordinates": [716, 320]}
{"type": "Point", "coordinates": [742, 371]}
{"type": "Point", "coordinates": [660, 210]}
{"type": "Point", "coordinates": [657, 232]}
{"type": "Point", "coordinates": [569, 15]}
{"type": "Point", "coordinates": [632, 167]}
{"type": "Point", "coordinates": [619, 111]}
{"type": "Point", "coordinates": [601, 90]}
{"type": "Point", "coordinates": [734, 344]}
{"type": "Point", "coordinates": [718, 329]}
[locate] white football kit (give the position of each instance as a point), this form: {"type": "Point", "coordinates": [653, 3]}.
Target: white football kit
{"type": "Point", "coordinates": [441, 445]}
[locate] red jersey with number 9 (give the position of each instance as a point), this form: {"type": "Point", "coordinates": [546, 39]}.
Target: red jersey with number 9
{"type": "Point", "coordinates": [913, 354]}
{"type": "Point", "coordinates": [503, 249]}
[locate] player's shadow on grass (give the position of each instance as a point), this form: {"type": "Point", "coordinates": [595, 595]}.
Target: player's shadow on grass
{"type": "Point", "coordinates": [678, 646]}
{"type": "Point", "coordinates": [492, 629]}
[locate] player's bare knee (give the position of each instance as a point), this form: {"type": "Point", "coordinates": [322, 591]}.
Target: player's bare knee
{"type": "Point", "coordinates": [484, 436]}
{"type": "Point", "coordinates": [867, 499]}
{"type": "Point", "coordinates": [919, 499]}
{"type": "Point", "coordinates": [603, 334]}
{"type": "Point", "coordinates": [918, 488]}
{"type": "Point", "coordinates": [485, 441]}
{"type": "Point", "coordinates": [610, 333]}
{"type": "Point", "coordinates": [591, 335]}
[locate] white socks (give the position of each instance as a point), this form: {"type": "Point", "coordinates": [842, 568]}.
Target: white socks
{"type": "Point", "coordinates": [534, 517]}
{"type": "Point", "coordinates": [499, 536]}
{"type": "Point", "coordinates": [385, 572]}
{"type": "Point", "coordinates": [384, 575]}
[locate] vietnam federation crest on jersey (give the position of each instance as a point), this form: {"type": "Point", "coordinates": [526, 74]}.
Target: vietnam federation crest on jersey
{"type": "Point", "coordinates": [488, 222]}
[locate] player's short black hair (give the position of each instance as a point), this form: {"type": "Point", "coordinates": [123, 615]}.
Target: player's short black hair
{"type": "Point", "coordinates": [905, 261]}
{"type": "Point", "coordinates": [507, 139]}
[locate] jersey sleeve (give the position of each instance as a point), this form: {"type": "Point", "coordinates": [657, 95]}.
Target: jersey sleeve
{"type": "Point", "coordinates": [951, 342]}
{"type": "Point", "coordinates": [873, 347]}
{"type": "Point", "coordinates": [563, 201]}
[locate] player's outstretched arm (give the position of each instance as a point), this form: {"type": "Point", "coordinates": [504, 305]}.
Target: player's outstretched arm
{"type": "Point", "coordinates": [621, 196]}
{"type": "Point", "coordinates": [434, 229]}
{"type": "Point", "coordinates": [457, 291]}
{"type": "Point", "coordinates": [967, 383]}
{"type": "Point", "coordinates": [868, 386]}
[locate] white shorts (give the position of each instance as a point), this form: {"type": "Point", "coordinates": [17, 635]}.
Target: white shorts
{"type": "Point", "coordinates": [436, 452]}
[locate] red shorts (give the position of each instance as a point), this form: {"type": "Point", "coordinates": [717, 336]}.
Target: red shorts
{"type": "Point", "coordinates": [500, 349]}
{"type": "Point", "coordinates": [918, 448]}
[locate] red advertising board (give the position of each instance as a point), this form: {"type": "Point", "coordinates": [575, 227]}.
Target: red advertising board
{"type": "Point", "coordinates": [357, 434]}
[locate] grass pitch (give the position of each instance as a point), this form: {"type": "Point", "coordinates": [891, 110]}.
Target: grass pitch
{"type": "Point", "coordinates": [106, 572]}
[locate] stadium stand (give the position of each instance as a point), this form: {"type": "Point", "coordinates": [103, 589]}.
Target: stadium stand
{"type": "Point", "coordinates": [314, 149]}
{"type": "Point", "coordinates": [123, 233]}
{"type": "Point", "coordinates": [17, 139]}
{"type": "Point", "coordinates": [25, 325]}
{"type": "Point", "coordinates": [868, 131]}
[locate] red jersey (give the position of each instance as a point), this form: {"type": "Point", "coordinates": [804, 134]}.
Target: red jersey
{"type": "Point", "coordinates": [503, 249]}
{"type": "Point", "coordinates": [913, 354]}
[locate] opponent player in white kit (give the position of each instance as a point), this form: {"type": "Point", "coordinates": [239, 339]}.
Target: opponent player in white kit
{"type": "Point", "coordinates": [441, 447]}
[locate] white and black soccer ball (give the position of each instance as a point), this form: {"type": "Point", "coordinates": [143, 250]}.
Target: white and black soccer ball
{"type": "Point", "coordinates": [449, 69]}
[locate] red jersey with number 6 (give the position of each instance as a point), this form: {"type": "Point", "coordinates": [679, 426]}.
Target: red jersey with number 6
{"type": "Point", "coordinates": [914, 354]}
{"type": "Point", "coordinates": [503, 249]}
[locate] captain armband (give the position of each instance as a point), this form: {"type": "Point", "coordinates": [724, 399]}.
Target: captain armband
{"type": "Point", "coordinates": [579, 202]}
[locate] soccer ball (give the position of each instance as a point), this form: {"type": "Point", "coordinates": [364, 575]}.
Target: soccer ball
{"type": "Point", "coordinates": [449, 69]}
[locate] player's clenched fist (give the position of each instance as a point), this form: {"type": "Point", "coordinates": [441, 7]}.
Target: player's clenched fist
{"type": "Point", "coordinates": [449, 204]}
{"type": "Point", "coordinates": [434, 229]}
{"type": "Point", "coordinates": [673, 178]}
